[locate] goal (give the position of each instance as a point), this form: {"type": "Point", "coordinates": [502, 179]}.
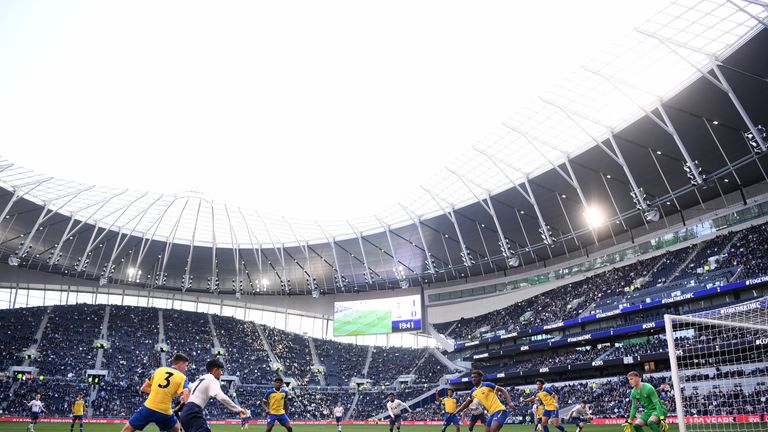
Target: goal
{"type": "Point", "coordinates": [719, 365]}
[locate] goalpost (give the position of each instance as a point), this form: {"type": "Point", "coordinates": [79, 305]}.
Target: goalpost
{"type": "Point", "coordinates": [719, 365]}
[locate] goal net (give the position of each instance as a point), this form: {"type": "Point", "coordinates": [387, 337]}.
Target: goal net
{"type": "Point", "coordinates": [719, 362]}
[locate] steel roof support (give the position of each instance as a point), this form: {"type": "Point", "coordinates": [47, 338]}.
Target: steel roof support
{"type": "Point", "coordinates": [127, 237]}
{"type": "Point", "coordinates": [238, 283]}
{"type": "Point", "coordinates": [570, 177]}
{"type": "Point", "coordinates": [488, 205]}
{"type": "Point", "coordinates": [25, 244]}
{"type": "Point", "coordinates": [284, 281]}
{"type": "Point", "coordinates": [92, 243]}
{"type": "Point", "coordinates": [727, 161]}
{"type": "Point", "coordinates": [465, 254]}
{"type": "Point", "coordinates": [145, 243]}
{"type": "Point", "coordinates": [185, 283]}
{"type": "Point", "coordinates": [169, 246]}
{"type": "Point", "coordinates": [428, 257]}
{"type": "Point", "coordinates": [336, 267]}
{"type": "Point", "coordinates": [545, 230]}
{"type": "Point", "coordinates": [8, 206]}
{"type": "Point", "coordinates": [307, 269]}
{"type": "Point", "coordinates": [664, 123]}
{"type": "Point", "coordinates": [666, 183]}
{"type": "Point", "coordinates": [43, 217]}
{"type": "Point", "coordinates": [256, 253]}
{"type": "Point", "coordinates": [618, 157]}
{"type": "Point", "coordinates": [570, 227]}
{"type": "Point", "coordinates": [525, 236]}
{"type": "Point", "coordinates": [720, 82]}
{"type": "Point", "coordinates": [740, 108]}
{"type": "Point", "coordinates": [618, 213]}
{"type": "Point", "coordinates": [396, 264]}
{"type": "Point", "coordinates": [751, 15]}
{"type": "Point", "coordinates": [368, 274]}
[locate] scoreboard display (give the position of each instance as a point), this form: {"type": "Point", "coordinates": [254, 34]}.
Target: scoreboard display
{"type": "Point", "coordinates": [377, 316]}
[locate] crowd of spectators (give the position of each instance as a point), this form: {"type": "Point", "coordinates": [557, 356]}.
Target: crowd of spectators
{"type": "Point", "coordinates": [57, 395]}
{"type": "Point", "coordinates": [132, 330]}
{"type": "Point", "coordinates": [293, 352]}
{"type": "Point", "coordinates": [560, 303]}
{"type": "Point", "coordinates": [711, 248]}
{"type": "Point", "coordinates": [18, 330]}
{"type": "Point", "coordinates": [342, 361]}
{"type": "Point", "coordinates": [67, 348]}
{"type": "Point", "coordinates": [747, 251]}
{"type": "Point", "coordinates": [373, 402]}
{"type": "Point", "coordinates": [244, 353]}
{"type": "Point", "coordinates": [430, 370]}
{"type": "Point", "coordinates": [189, 333]}
{"type": "Point", "coordinates": [118, 397]}
{"type": "Point", "coordinates": [388, 363]}
{"type": "Point", "coordinates": [318, 405]}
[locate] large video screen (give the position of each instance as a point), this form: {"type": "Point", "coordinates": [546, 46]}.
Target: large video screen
{"type": "Point", "coordinates": [365, 317]}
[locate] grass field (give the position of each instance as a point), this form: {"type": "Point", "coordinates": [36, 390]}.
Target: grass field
{"type": "Point", "coordinates": [64, 427]}
{"type": "Point", "coordinates": [355, 323]}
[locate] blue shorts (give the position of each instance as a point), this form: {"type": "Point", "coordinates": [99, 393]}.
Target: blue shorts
{"type": "Point", "coordinates": [34, 416]}
{"type": "Point", "coordinates": [338, 419]}
{"type": "Point", "coordinates": [144, 416]}
{"type": "Point", "coordinates": [577, 420]}
{"type": "Point", "coordinates": [396, 420]}
{"type": "Point", "coordinates": [551, 413]}
{"type": "Point", "coordinates": [451, 418]}
{"type": "Point", "coordinates": [499, 416]}
{"type": "Point", "coordinates": [77, 418]}
{"type": "Point", "coordinates": [478, 418]}
{"type": "Point", "coordinates": [280, 418]}
{"type": "Point", "coordinates": [245, 419]}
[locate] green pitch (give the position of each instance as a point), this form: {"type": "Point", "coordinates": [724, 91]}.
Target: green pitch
{"type": "Point", "coordinates": [355, 323]}
{"type": "Point", "coordinates": [64, 427]}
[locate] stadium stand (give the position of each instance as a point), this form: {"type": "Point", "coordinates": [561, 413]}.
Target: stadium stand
{"type": "Point", "coordinates": [745, 251]}
{"type": "Point", "coordinates": [131, 330]}
{"type": "Point", "coordinates": [189, 333]}
{"type": "Point", "coordinates": [292, 351]}
{"type": "Point", "coordinates": [390, 362]}
{"type": "Point", "coordinates": [339, 369]}
{"type": "Point", "coordinates": [245, 356]}
{"type": "Point", "coordinates": [67, 346]}
{"type": "Point", "coordinates": [18, 328]}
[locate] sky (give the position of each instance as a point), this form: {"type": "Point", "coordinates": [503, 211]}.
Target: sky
{"type": "Point", "coordinates": [334, 108]}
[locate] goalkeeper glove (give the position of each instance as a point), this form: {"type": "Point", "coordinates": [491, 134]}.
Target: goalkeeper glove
{"type": "Point", "coordinates": [628, 426]}
{"type": "Point", "coordinates": [663, 425]}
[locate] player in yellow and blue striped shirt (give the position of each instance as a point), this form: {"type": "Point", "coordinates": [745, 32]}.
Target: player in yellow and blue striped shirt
{"type": "Point", "coordinates": [274, 404]}
{"type": "Point", "coordinates": [165, 384]}
{"type": "Point", "coordinates": [548, 399]}
{"type": "Point", "coordinates": [485, 392]}
{"type": "Point", "coordinates": [78, 410]}
{"type": "Point", "coordinates": [450, 403]}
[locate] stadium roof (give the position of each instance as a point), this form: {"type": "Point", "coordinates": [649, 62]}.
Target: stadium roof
{"type": "Point", "coordinates": [646, 96]}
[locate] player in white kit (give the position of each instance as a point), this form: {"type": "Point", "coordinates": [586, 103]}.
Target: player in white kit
{"type": "Point", "coordinates": [395, 408]}
{"type": "Point", "coordinates": [338, 413]}
{"type": "Point", "coordinates": [36, 406]}
{"type": "Point", "coordinates": [206, 387]}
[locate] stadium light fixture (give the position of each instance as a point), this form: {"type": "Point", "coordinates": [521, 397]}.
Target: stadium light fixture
{"type": "Point", "coordinates": [594, 217]}
{"type": "Point", "coordinates": [651, 215]}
